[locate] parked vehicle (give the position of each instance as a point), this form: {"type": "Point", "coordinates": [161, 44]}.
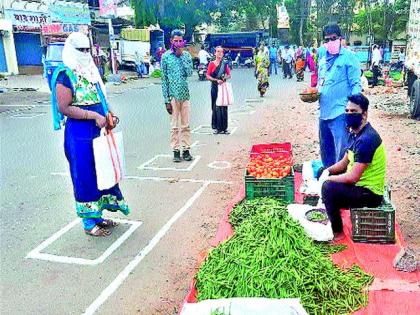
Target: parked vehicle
{"type": "Point", "coordinates": [53, 59]}
{"type": "Point", "coordinates": [202, 71]}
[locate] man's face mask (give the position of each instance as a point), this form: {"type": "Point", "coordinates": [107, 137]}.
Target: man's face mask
{"type": "Point", "coordinates": [333, 44]}
{"type": "Point", "coordinates": [178, 44]}
{"type": "Point", "coordinates": [354, 120]}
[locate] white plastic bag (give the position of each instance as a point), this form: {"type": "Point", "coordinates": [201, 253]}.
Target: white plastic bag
{"type": "Point", "coordinates": [108, 151]}
{"type": "Point", "coordinates": [246, 306]}
{"type": "Point", "coordinates": [317, 231]}
{"type": "Point", "coordinates": [224, 94]}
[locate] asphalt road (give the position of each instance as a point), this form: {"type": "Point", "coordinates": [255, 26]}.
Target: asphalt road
{"type": "Point", "coordinates": [68, 272]}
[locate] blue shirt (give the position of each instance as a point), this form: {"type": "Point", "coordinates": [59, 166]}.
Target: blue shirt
{"type": "Point", "coordinates": [338, 78]}
{"type": "Point", "coordinates": [273, 53]}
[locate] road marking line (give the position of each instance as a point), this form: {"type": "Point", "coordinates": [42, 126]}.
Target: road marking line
{"type": "Point", "coordinates": [60, 173]}
{"type": "Point", "coordinates": [36, 253]}
{"type": "Point", "coordinates": [215, 163]}
{"type": "Point", "coordinates": [162, 179]}
{"type": "Point", "coordinates": [196, 130]}
{"type": "Point", "coordinates": [173, 179]}
{"type": "Point", "coordinates": [116, 283]}
{"type": "Point", "coordinates": [188, 169]}
{"type": "Point", "coordinates": [27, 115]}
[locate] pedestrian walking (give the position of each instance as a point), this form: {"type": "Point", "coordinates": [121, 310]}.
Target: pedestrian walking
{"type": "Point", "coordinates": [262, 63]}
{"type": "Point", "coordinates": [79, 94]}
{"type": "Point", "coordinates": [300, 67]}
{"type": "Point", "coordinates": [338, 78]}
{"type": "Point", "coordinates": [218, 72]}
{"type": "Point", "coordinates": [287, 62]}
{"type": "Point", "coordinates": [273, 59]}
{"type": "Point", "coordinates": [176, 67]}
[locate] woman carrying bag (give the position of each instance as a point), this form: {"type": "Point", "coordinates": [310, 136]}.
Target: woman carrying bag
{"type": "Point", "coordinates": [218, 72]}
{"type": "Point", "coordinates": [79, 94]}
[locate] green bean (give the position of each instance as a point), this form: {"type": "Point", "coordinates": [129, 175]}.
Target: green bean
{"type": "Point", "coordinates": [270, 256]}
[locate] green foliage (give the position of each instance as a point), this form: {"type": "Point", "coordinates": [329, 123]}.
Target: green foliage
{"type": "Point", "coordinates": [384, 20]}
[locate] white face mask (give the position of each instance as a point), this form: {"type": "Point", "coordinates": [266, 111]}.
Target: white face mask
{"type": "Point", "coordinates": [83, 58]}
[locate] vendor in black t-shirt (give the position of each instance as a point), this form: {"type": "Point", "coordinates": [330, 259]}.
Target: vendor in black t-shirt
{"type": "Point", "coordinates": [358, 179]}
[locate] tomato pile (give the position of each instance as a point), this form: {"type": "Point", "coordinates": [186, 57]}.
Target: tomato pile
{"type": "Point", "coordinates": [265, 166]}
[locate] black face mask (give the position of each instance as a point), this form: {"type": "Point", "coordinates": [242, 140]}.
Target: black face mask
{"type": "Point", "coordinates": [354, 120]}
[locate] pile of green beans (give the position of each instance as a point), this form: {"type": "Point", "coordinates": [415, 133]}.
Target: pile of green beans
{"type": "Point", "coordinates": [270, 256]}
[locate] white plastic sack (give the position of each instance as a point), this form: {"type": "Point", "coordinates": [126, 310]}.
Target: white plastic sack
{"type": "Point", "coordinates": [108, 151]}
{"type": "Point", "coordinates": [318, 231]}
{"type": "Point", "coordinates": [246, 306]}
{"type": "Point", "coordinates": [224, 94]}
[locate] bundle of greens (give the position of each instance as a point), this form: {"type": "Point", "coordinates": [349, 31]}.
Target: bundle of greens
{"type": "Point", "coordinates": [270, 256]}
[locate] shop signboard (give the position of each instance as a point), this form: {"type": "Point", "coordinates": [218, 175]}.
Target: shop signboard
{"type": "Point", "coordinates": [65, 28]}
{"type": "Point", "coordinates": [69, 13]}
{"type": "Point", "coordinates": [107, 8]}
{"type": "Point", "coordinates": [26, 21]}
{"type": "Point", "coordinates": [282, 17]}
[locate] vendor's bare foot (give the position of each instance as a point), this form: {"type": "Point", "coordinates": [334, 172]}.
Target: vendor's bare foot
{"type": "Point", "coordinates": [338, 236]}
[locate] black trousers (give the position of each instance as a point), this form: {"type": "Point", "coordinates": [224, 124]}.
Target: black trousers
{"type": "Point", "coordinates": [338, 196]}
{"type": "Point", "coordinates": [376, 73]}
{"type": "Point", "coordinates": [286, 70]}
{"type": "Point", "coordinates": [219, 117]}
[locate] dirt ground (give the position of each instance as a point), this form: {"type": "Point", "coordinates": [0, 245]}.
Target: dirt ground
{"type": "Point", "coordinates": [289, 119]}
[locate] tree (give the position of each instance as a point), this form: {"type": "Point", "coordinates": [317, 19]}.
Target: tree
{"type": "Point", "coordinates": [383, 19]}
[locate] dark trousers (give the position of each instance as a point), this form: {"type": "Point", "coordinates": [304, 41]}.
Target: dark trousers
{"type": "Point", "coordinates": [376, 73]}
{"type": "Point", "coordinates": [286, 70]}
{"type": "Point", "coordinates": [219, 117]}
{"type": "Point", "coordinates": [338, 196]}
{"type": "Point", "coordinates": [333, 139]}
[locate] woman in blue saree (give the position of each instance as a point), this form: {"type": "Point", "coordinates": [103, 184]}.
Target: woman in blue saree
{"type": "Point", "coordinates": [79, 95]}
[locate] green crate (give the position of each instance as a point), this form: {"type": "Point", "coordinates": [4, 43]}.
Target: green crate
{"type": "Point", "coordinates": [374, 225]}
{"type": "Point", "coordinates": [282, 188]}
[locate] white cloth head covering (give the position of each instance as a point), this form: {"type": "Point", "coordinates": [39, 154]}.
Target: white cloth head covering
{"type": "Point", "coordinates": [80, 62]}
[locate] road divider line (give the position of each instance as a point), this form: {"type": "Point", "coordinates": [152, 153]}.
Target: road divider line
{"type": "Point", "coordinates": [116, 283]}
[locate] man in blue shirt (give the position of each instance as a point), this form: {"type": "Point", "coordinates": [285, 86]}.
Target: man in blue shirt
{"type": "Point", "coordinates": [338, 78]}
{"type": "Point", "coordinates": [273, 59]}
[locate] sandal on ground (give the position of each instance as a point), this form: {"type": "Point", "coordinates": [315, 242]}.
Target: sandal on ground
{"type": "Point", "coordinates": [107, 223]}
{"type": "Point", "coordinates": [98, 232]}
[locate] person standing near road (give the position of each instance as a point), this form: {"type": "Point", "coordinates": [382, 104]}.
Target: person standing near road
{"type": "Point", "coordinates": [287, 62]}
{"type": "Point", "coordinates": [338, 78]}
{"type": "Point", "coordinates": [273, 59]}
{"type": "Point", "coordinates": [217, 73]}
{"type": "Point", "coordinates": [262, 62]}
{"type": "Point", "coordinates": [176, 67]}
{"type": "Point", "coordinates": [79, 94]}
{"type": "Point", "coordinates": [376, 60]}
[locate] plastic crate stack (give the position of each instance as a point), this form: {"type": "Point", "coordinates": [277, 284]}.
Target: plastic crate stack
{"type": "Point", "coordinates": [282, 188]}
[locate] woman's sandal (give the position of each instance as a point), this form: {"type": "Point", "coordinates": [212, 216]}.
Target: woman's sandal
{"type": "Point", "coordinates": [107, 223]}
{"type": "Point", "coordinates": [98, 231]}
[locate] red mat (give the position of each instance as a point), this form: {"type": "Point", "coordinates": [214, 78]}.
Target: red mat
{"type": "Point", "coordinates": [392, 292]}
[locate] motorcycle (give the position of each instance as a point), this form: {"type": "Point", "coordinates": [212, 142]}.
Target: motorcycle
{"type": "Point", "coordinates": [202, 71]}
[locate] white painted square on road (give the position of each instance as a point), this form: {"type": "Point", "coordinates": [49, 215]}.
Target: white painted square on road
{"type": "Point", "coordinates": [36, 253]}
{"type": "Point", "coordinates": [154, 165]}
